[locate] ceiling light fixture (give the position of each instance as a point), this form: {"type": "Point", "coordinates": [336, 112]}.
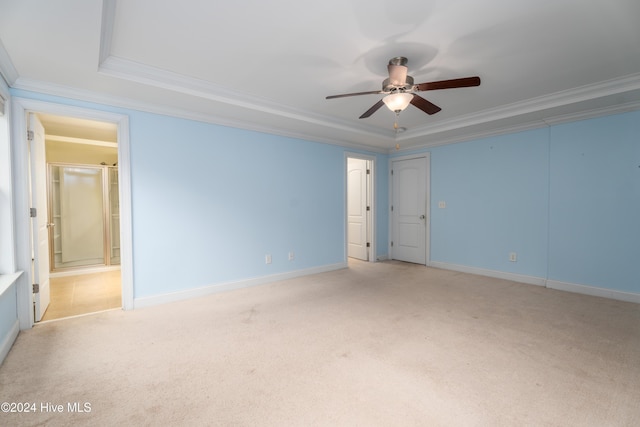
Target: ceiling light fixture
{"type": "Point", "coordinates": [398, 101]}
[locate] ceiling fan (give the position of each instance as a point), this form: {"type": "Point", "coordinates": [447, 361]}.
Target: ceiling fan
{"type": "Point", "coordinates": [399, 88]}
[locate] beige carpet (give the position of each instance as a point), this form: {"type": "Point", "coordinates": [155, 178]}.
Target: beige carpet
{"type": "Point", "coordinates": [388, 344]}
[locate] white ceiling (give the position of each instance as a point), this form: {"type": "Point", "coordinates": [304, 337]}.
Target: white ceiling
{"type": "Point", "coordinates": [268, 65]}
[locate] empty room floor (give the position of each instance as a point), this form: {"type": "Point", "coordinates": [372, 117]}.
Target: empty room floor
{"type": "Point", "coordinates": [84, 293]}
{"type": "Point", "coordinates": [384, 344]}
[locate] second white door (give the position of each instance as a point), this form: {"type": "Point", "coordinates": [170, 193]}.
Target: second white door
{"type": "Point", "coordinates": [409, 210]}
{"type": "Point", "coordinates": [357, 209]}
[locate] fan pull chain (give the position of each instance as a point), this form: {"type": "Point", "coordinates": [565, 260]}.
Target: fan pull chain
{"type": "Point", "coordinates": [396, 128]}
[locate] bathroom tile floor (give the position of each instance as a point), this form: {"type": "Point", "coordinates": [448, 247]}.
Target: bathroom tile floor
{"type": "Point", "coordinates": [84, 293]}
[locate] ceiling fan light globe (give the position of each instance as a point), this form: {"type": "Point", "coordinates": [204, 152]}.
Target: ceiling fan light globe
{"type": "Point", "coordinates": [397, 101]}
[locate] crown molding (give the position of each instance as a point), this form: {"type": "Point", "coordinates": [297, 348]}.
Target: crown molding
{"type": "Point", "coordinates": [541, 103]}
{"type": "Point", "coordinates": [470, 136]}
{"type": "Point", "coordinates": [152, 76]}
{"type": "Point", "coordinates": [89, 96]}
{"type": "Point", "coordinates": [120, 102]}
{"type": "Point", "coordinates": [106, 28]}
{"type": "Point", "coordinates": [593, 113]}
{"type": "Point", "coordinates": [7, 70]}
{"type": "Point", "coordinates": [125, 69]}
{"type": "Point", "coordinates": [533, 124]}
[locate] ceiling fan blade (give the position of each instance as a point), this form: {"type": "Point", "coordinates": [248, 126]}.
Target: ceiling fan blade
{"type": "Point", "coordinates": [372, 110]}
{"type": "Point", "coordinates": [397, 74]}
{"type": "Point", "coordinates": [355, 94]}
{"type": "Point", "coordinates": [449, 84]}
{"type": "Point", "coordinates": [424, 105]}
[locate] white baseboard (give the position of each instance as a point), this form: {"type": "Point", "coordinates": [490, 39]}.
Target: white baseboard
{"type": "Point", "coordinates": [593, 291]}
{"type": "Point", "coordinates": [8, 340]}
{"type": "Point", "coordinates": [531, 280]}
{"type": "Point", "coordinates": [539, 281]}
{"type": "Point", "coordinates": [229, 286]}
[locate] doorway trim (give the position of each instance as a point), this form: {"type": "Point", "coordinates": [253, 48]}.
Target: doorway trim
{"type": "Point", "coordinates": [371, 228]}
{"type": "Point", "coordinates": [20, 108]}
{"type": "Point", "coordinates": [427, 159]}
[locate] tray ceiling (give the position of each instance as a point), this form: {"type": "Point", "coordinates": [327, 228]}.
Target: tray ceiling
{"type": "Point", "coordinates": [269, 65]}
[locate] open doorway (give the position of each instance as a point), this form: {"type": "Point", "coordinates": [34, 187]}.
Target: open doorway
{"type": "Point", "coordinates": [360, 207]}
{"type": "Point", "coordinates": [82, 212]}
{"type": "Point", "coordinates": [26, 252]}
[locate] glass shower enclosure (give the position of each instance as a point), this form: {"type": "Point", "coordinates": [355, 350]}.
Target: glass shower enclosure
{"type": "Point", "coordinates": [85, 216]}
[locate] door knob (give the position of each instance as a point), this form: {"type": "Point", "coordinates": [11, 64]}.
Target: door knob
{"type": "Point", "coordinates": [422, 217]}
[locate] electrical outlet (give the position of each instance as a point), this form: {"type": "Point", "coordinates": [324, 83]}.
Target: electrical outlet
{"type": "Point", "coordinates": [267, 259]}
{"type": "Point", "coordinates": [442, 204]}
{"type": "Point", "coordinates": [291, 256]}
{"type": "Point", "coordinates": [513, 257]}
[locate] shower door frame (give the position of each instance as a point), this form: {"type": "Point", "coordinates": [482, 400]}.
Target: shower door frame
{"type": "Point", "coordinates": [106, 217]}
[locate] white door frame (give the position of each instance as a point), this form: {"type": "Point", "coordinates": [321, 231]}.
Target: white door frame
{"type": "Point", "coordinates": [20, 159]}
{"type": "Point", "coordinates": [371, 221]}
{"type": "Point", "coordinates": [427, 159]}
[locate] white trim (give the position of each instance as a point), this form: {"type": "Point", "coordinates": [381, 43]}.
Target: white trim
{"type": "Point", "coordinates": [427, 158]}
{"type": "Point", "coordinates": [583, 93]}
{"type": "Point", "coordinates": [9, 339]}
{"type": "Point", "coordinates": [535, 124]}
{"type": "Point", "coordinates": [594, 291]}
{"type": "Point", "coordinates": [6, 280]}
{"type": "Point", "coordinates": [106, 29]}
{"type": "Point", "coordinates": [114, 66]}
{"type": "Point", "coordinates": [514, 277]}
{"type": "Point", "coordinates": [371, 225]}
{"type": "Point", "coordinates": [118, 101]}
{"type": "Point", "coordinates": [7, 242]}
{"type": "Point", "coordinates": [432, 131]}
{"type": "Point", "coordinates": [20, 107]}
{"type": "Point", "coordinates": [229, 286]}
{"type": "Point", "coordinates": [593, 113]}
{"type": "Point", "coordinates": [126, 215]}
{"type": "Point", "coordinates": [7, 70]}
{"type": "Point", "coordinates": [540, 281]}
{"type": "Point", "coordinates": [130, 70]}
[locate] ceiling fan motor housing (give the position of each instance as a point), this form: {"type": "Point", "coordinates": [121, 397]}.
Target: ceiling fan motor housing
{"type": "Point", "coordinates": [387, 86]}
{"type": "Point", "coordinates": [398, 80]}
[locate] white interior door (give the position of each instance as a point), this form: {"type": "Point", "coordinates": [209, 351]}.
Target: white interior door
{"type": "Point", "coordinates": [357, 209]}
{"type": "Point", "coordinates": [40, 224]}
{"type": "Point", "coordinates": [409, 210]}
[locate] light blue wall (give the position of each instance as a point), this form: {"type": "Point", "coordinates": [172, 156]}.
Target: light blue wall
{"type": "Point", "coordinates": [595, 202]}
{"type": "Point", "coordinates": [496, 192]}
{"type": "Point", "coordinates": [8, 310]}
{"type": "Point", "coordinates": [566, 199]}
{"type": "Point", "coordinates": [208, 201]}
